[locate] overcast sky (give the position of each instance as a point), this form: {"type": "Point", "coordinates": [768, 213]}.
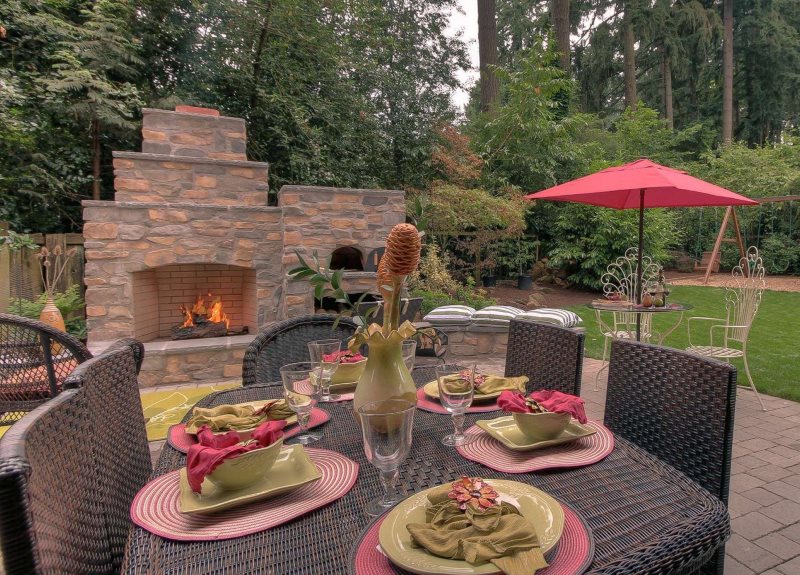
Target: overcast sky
{"type": "Point", "coordinates": [466, 20]}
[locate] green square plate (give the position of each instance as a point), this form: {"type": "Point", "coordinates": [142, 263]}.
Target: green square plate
{"type": "Point", "coordinates": [504, 429]}
{"type": "Point", "coordinates": [541, 510]}
{"type": "Point", "coordinates": [292, 470]}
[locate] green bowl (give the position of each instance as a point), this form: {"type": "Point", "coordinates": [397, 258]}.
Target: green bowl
{"type": "Point", "coordinates": [244, 470]}
{"type": "Point", "coordinates": [542, 426]}
{"type": "Point", "coordinates": [348, 372]}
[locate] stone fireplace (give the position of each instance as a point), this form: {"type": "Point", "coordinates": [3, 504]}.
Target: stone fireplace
{"type": "Point", "coordinates": [190, 218]}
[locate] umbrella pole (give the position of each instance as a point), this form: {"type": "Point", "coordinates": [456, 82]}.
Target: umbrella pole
{"type": "Point", "coordinates": [639, 271]}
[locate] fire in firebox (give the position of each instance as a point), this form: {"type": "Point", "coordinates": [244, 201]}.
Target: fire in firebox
{"type": "Point", "coordinates": [204, 320]}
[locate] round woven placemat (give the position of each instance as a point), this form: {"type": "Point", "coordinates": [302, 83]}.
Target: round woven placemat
{"type": "Point", "coordinates": [182, 441]}
{"type": "Point", "coordinates": [572, 556]}
{"type": "Point", "coordinates": [155, 507]}
{"type": "Point", "coordinates": [427, 404]}
{"type": "Point", "coordinates": [493, 454]}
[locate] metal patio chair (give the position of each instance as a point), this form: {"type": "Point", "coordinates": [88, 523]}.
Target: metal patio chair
{"type": "Point", "coordinates": [727, 338]}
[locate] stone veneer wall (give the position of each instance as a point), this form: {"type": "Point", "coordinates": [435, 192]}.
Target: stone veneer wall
{"type": "Point", "coordinates": [322, 219]}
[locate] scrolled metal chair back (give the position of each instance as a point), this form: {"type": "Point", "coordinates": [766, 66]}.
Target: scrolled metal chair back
{"type": "Point", "coordinates": [743, 295]}
{"type": "Point", "coordinates": [621, 276]}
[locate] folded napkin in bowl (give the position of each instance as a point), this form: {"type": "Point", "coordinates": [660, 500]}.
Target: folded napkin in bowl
{"type": "Point", "coordinates": [486, 384]}
{"type": "Point", "coordinates": [204, 457]}
{"type": "Point", "coordinates": [476, 534]}
{"type": "Point", "coordinates": [237, 417]}
{"type": "Point", "coordinates": [549, 399]}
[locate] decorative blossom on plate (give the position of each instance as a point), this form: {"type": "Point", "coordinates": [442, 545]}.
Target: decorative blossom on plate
{"type": "Point", "coordinates": [344, 356]}
{"type": "Point", "coordinates": [478, 381]}
{"type": "Point", "coordinates": [473, 491]}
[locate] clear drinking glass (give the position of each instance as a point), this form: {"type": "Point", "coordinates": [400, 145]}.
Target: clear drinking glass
{"type": "Point", "coordinates": [318, 350]}
{"type": "Point", "coordinates": [409, 352]}
{"type": "Point", "coordinates": [301, 388]}
{"type": "Point", "coordinates": [456, 388]}
{"type": "Point", "coordinates": [386, 427]}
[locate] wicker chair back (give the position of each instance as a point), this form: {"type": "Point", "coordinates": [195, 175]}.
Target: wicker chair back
{"type": "Point", "coordinates": [122, 456]}
{"type": "Point", "coordinates": [35, 359]}
{"type": "Point", "coordinates": [551, 356]}
{"type": "Point", "coordinates": [51, 517]}
{"type": "Point", "coordinates": [286, 342]}
{"type": "Point", "coordinates": [679, 407]}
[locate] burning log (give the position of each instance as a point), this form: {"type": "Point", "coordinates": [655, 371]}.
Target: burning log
{"type": "Point", "coordinates": [201, 321]}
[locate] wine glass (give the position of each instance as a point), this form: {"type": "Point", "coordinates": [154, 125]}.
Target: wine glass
{"type": "Point", "coordinates": [301, 387]}
{"type": "Point", "coordinates": [456, 388]}
{"type": "Point", "coordinates": [386, 426]}
{"type": "Point", "coordinates": [326, 353]}
{"type": "Point", "coordinates": [409, 352]}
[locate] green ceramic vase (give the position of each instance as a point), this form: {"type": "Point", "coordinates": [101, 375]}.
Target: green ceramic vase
{"type": "Point", "coordinates": [385, 374]}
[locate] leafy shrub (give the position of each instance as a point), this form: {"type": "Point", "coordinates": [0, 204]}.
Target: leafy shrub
{"type": "Point", "coordinates": [780, 254]}
{"type": "Point", "coordinates": [465, 295]}
{"type": "Point", "coordinates": [69, 303]}
{"type": "Point", "coordinates": [432, 274]}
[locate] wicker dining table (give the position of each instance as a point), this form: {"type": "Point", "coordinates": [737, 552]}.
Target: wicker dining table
{"type": "Point", "coordinates": [646, 517]}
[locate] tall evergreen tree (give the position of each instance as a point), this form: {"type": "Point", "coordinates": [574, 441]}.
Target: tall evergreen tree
{"type": "Point", "coordinates": [487, 53]}
{"type": "Point", "coordinates": [727, 71]}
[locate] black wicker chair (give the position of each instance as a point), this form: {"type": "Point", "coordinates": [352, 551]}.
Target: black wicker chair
{"type": "Point", "coordinates": [35, 359]}
{"type": "Point", "coordinates": [551, 356]}
{"type": "Point", "coordinates": [69, 471]}
{"type": "Point", "coordinates": [135, 345]}
{"type": "Point", "coordinates": [285, 342]}
{"type": "Point", "coordinates": [122, 456]}
{"type": "Point", "coordinates": [679, 407]}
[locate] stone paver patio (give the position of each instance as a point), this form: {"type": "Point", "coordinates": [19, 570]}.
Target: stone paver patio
{"type": "Point", "coordinates": [765, 477]}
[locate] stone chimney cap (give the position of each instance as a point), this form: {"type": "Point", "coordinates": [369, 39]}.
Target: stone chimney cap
{"type": "Point", "coordinates": [196, 110]}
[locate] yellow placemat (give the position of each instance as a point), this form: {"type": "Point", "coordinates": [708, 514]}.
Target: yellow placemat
{"type": "Point", "coordinates": [165, 408]}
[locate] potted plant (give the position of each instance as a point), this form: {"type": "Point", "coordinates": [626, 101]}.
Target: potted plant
{"type": "Point", "coordinates": [523, 257]}
{"type": "Point", "coordinates": [489, 264]}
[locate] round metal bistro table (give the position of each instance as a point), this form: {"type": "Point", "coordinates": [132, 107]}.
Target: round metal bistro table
{"type": "Point", "coordinates": [632, 311]}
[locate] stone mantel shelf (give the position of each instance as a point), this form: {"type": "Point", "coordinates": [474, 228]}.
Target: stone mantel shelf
{"type": "Point", "coordinates": [293, 189]}
{"type": "Point", "coordinates": [188, 159]}
{"type": "Point", "coordinates": [181, 205]}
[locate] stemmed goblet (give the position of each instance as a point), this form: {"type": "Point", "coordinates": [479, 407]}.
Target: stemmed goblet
{"type": "Point", "coordinates": [301, 387]}
{"type": "Point", "coordinates": [326, 353]}
{"type": "Point", "coordinates": [456, 388]}
{"type": "Point", "coordinates": [386, 427]}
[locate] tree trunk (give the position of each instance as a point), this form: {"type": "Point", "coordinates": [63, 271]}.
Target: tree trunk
{"type": "Point", "coordinates": [259, 52]}
{"type": "Point", "coordinates": [559, 11]}
{"type": "Point", "coordinates": [666, 75]}
{"type": "Point", "coordinates": [95, 128]}
{"type": "Point", "coordinates": [487, 48]}
{"type": "Point", "coordinates": [629, 56]}
{"type": "Point", "coordinates": [727, 71]}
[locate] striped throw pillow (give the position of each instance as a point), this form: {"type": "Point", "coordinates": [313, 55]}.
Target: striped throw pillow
{"type": "Point", "coordinates": [560, 317]}
{"type": "Point", "coordinates": [495, 315]}
{"type": "Point", "coordinates": [450, 315]}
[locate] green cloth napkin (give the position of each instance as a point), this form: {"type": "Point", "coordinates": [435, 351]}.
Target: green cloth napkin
{"type": "Point", "coordinates": [492, 384]}
{"type": "Point", "coordinates": [236, 417]}
{"type": "Point", "coordinates": [498, 534]}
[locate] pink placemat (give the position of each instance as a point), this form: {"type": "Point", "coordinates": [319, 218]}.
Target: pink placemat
{"type": "Point", "coordinates": [572, 556]}
{"type": "Point", "coordinates": [182, 441]}
{"type": "Point", "coordinates": [428, 404]}
{"type": "Point", "coordinates": [155, 507]}
{"type": "Point", "coordinates": [493, 454]}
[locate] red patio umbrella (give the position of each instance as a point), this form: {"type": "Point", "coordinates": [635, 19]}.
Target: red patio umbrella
{"type": "Point", "coordinates": [641, 184]}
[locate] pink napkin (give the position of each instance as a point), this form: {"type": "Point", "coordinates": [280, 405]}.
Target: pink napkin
{"type": "Point", "coordinates": [551, 400]}
{"type": "Point", "coordinates": [204, 457]}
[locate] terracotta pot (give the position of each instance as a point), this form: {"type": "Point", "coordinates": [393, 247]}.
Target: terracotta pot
{"type": "Point", "coordinates": [51, 315]}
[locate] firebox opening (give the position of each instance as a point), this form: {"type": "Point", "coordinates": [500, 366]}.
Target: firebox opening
{"type": "Point", "coordinates": [330, 305]}
{"type": "Point", "coordinates": [347, 258]}
{"type": "Point", "coordinates": [189, 301]}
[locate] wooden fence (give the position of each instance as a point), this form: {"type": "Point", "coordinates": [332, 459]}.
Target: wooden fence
{"type": "Point", "coordinates": [20, 275]}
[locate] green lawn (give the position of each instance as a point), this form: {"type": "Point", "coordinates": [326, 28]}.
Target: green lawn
{"type": "Point", "coordinates": [773, 348]}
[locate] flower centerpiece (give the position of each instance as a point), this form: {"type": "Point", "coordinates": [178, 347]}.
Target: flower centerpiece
{"type": "Point", "coordinates": [385, 374]}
